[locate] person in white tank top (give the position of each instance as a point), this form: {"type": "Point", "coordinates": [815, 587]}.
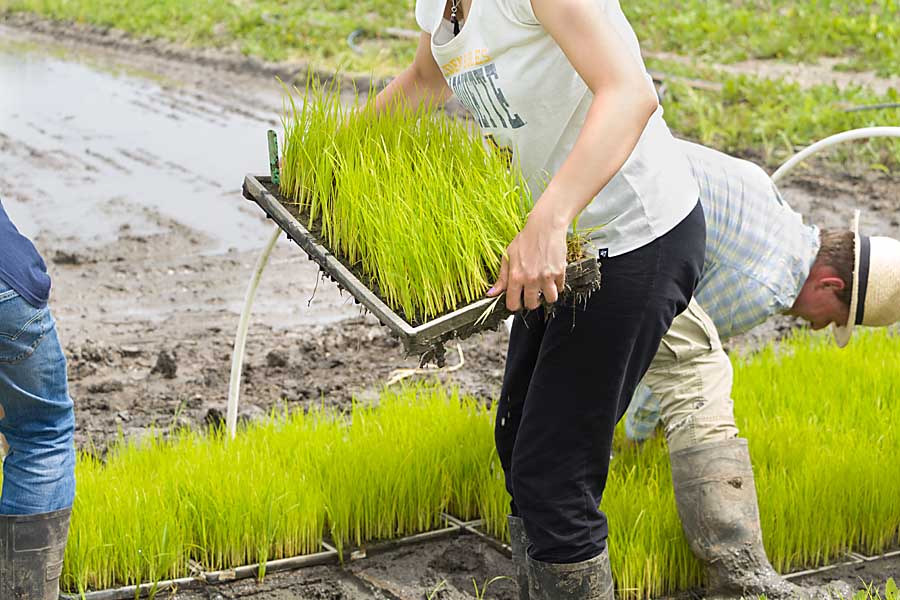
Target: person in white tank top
{"type": "Point", "coordinates": [560, 84]}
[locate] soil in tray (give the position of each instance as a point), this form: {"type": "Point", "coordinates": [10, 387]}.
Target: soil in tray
{"type": "Point", "coordinates": [316, 231]}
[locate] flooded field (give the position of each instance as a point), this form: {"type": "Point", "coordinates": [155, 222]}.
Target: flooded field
{"type": "Point", "coordinates": [91, 144]}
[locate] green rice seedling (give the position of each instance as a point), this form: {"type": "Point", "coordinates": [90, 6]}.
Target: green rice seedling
{"type": "Point", "coordinates": [157, 506]}
{"type": "Point", "coordinates": [824, 459]}
{"type": "Point", "coordinates": [411, 200]}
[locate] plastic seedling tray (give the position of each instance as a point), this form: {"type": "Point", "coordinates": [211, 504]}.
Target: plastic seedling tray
{"type": "Point", "coordinates": [423, 339]}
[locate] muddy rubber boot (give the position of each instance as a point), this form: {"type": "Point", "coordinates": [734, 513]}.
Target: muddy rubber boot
{"type": "Point", "coordinates": [716, 497]}
{"type": "Point", "coordinates": [518, 541]}
{"type": "Point", "coordinates": [587, 580]}
{"type": "Point", "coordinates": [31, 555]}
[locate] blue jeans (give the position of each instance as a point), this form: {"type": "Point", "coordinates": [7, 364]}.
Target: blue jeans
{"type": "Point", "coordinates": [37, 418]}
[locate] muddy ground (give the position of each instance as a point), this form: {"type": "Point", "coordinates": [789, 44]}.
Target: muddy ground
{"type": "Point", "coordinates": [124, 159]}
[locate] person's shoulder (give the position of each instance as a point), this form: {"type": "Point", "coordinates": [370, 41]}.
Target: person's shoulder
{"type": "Point", "coordinates": [428, 14]}
{"type": "Point", "coordinates": [518, 11]}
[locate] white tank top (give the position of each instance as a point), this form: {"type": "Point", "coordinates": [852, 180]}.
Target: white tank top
{"type": "Point", "coordinates": [520, 87]}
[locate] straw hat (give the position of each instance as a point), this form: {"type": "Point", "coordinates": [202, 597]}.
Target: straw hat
{"type": "Point", "coordinates": [875, 298]}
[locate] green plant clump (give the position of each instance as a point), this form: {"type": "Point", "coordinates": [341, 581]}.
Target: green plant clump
{"type": "Point", "coordinates": [820, 421]}
{"type": "Point", "coordinates": [411, 199]}
{"type": "Point", "coordinates": [768, 120]}
{"type": "Point", "coordinates": [156, 507]}
{"type": "Point", "coordinates": [866, 32]}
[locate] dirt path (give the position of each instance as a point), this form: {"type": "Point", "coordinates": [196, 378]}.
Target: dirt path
{"type": "Point", "coordinates": [825, 71]}
{"type": "Point", "coordinates": [132, 193]}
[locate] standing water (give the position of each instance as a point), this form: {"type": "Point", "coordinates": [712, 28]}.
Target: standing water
{"type": "Point", "coordinates": [93, 143]}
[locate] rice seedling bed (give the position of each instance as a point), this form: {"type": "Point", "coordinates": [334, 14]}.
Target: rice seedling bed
{"type": "Point", "coordinates": [327, 556]}
{"type": "Point", "coordinates": [418, 336]}
{"type": "Point", "coordinates": [824, 458]}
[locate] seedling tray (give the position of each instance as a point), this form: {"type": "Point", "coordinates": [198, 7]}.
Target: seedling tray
{"type": "Point", "coordinates": [423, 339]}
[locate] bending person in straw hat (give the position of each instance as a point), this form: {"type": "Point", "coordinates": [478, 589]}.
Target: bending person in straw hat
{"type": "Point", "coordinates": [761, 260]}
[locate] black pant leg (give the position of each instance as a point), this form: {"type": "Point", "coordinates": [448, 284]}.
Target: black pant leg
{"type": "Point", "coordinates": [524, 345]}
{"type": "Point", "coordinates": [588, 362]}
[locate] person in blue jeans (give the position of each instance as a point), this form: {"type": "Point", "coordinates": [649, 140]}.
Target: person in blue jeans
{"type": "Point", "coordinates": [37, 425]}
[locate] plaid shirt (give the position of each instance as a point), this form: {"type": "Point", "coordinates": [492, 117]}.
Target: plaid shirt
{"type": "Point", "coordinates": [758, 255]}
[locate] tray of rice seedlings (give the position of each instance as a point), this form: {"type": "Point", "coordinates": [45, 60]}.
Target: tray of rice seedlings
{"type": "Point", "coordinates": [407, 212]}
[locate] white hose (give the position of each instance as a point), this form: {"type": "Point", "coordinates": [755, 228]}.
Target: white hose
{"type": "Point", "coordinates": [834, 140]}
{"type": "Point", "coordinates": [240, 339]}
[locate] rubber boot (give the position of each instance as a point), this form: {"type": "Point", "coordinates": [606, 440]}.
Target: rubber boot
{"type": "Point", "coordinates": [31, 555]}
{"type": "Point", "coordinates": [587, 580]}
{"type": "Point", "coordinates": [716, 498]}
{"type": "Point", "coordinates": [518, 541]}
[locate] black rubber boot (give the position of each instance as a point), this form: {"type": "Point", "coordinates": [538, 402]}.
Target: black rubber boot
{"type": "Point", "coordinates": [31, 555]}
{"type": "Point", "coordinates": [518, 541]}
{"type": "Point", "coordinates": [587, 580]}
{"type": "Point", "coordinates": [716, 497]}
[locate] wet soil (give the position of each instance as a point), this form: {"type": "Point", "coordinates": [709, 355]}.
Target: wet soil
{"type": "Point", "coordinates": [449, 570]}
{"type": "Point", "coordinates": [125, 166]}
{"type": "Point", "coordinates": [440, 570]}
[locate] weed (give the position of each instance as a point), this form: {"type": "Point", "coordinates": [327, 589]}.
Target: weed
{"type": "Point", "coordinates": [480, 593]}
{"type": "Point", "coordinates": [433, 593]}
{"type": "Point", "coordinates": [872, 593]}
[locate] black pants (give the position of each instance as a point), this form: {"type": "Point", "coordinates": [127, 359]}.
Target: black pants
{"type": "Point", "coordinates": [569, 380]}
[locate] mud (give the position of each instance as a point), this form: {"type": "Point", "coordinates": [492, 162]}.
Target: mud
{"type": "Point", "coordinates": [130, 187]}
{"type": "Point", "coordinates": [442, 570]}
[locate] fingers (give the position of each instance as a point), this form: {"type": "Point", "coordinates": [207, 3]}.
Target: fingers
{"type": "Point", "coordinates": [530, 277]}
{"type": "Point", "coordinates": [532, 297]}
{"type": "Point", "coordinates": [500, 285]}
{"type": "Point", "coordinates": [560, 282]}
{"type": "Point", "coordinates": [551, 292]}
{"type": "Point", "coordinates": [528, 293]}
{"type": "Point", "coordinates": [514, 291]}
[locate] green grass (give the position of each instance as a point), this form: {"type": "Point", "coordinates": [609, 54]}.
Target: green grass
{"type": "Point", "coordinates": [752, 118]}
{"type": "Point", "coordinates": [768, 120]}
{"type": "Point", "coordinates": [823, 439]}
{"type": "Point", "coordinates": [866, 31]}
{"type": "Point", "coordinates": [276, 30]}
{"type": "Point", "coordinates": [410, 199]}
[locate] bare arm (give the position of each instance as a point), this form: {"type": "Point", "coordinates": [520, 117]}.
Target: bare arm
{"type": "Point", "coordinates": [622, 105]}
{"type": "Point", "coordinates": [421, 82]}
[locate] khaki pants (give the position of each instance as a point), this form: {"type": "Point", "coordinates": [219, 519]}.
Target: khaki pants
{"type": "Point", "coordinates": [692, 378]}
